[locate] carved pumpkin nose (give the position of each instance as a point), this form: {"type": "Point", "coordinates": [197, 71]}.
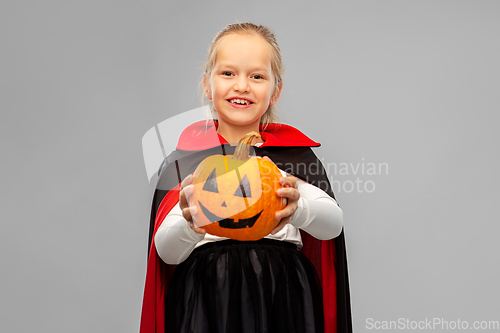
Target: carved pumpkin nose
{"type": "Point", "coordinates": [224, 204]}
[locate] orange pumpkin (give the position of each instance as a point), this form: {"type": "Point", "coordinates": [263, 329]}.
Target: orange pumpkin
{"type": "Point", "coordinates": [236, 195]}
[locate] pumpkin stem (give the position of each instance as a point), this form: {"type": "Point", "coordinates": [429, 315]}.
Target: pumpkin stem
{"type": "Point", "coordinates": [243, 148]}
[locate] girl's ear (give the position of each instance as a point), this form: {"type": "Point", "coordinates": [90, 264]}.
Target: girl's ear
{"type": "Point", "coordinates": [206, 87]}
{"type": "Point", "coordinates": [277, 94]}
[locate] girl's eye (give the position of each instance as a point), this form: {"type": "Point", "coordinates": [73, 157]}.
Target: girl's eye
{"type": "Point", "coordinates": [257, 76]}
{"type": "Point", "coordinates": [226, 73]}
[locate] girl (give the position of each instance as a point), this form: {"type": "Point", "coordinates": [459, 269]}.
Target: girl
{"type": "Point", "coordinates": [223, 285]}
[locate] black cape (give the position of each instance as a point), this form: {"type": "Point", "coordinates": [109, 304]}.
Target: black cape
{"type": "Point", "coordinates": [328, 257]}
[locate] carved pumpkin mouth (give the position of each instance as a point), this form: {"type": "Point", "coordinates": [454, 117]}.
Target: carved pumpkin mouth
{"type": "Point", "coordinates": [229, 223]}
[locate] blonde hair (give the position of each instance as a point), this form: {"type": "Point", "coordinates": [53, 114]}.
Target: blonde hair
{"type": "Point", "coordinates": [247, 28]}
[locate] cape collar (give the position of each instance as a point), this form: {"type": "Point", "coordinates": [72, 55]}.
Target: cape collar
{"type": "Point", "coordinates": [203, 135]}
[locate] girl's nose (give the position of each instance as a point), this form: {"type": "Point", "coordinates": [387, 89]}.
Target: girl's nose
{"type": "Point", "coordinates": [241, 85]}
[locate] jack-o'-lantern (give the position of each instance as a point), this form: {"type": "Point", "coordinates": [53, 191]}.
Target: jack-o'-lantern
{"type": "Point", "coordinates": [235, 195]}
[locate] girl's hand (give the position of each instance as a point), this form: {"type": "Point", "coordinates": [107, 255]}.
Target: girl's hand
{"type": "Point", "coordinates": [188, 212]}
{"type": "Point", "coordinates": [290, 192]}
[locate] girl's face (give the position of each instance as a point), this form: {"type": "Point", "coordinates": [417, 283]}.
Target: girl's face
{"type": "Point", "coordinates": [242, 71]}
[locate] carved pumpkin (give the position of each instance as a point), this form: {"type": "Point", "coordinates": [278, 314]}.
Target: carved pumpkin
{"type": "Point", "coordinates": [236, 195]}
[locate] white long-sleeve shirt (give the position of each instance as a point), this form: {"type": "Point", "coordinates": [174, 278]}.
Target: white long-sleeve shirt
{"type": "Point", "coordinates": [317, 213]}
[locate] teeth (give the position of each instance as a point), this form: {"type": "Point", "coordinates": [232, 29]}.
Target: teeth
{"type": "Point", "coordinates": [239, 101]}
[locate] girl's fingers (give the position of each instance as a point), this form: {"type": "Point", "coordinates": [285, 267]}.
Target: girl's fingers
{"type": "Point", "coordinates": [280, 225]}
{"type": "Point", "coordinates": [284, 216]}
{"type": "Point", "coordinates": [290, 193]}
{"type": "Point", "coordinates": [196, 229]}
{"type": "Point", "coordinates": [186, 213]}
{"type": "Point", "coordinates": [193, 211]}
{"type": "Point", "coordinates": [187, 181]}
{"type": "Point", "coordinates": [186, 190]}
{"type": "Point", "coordinates": [286, 213]}
{"type": "Point", "coordinates": [183, 201]}
{"type": "Point", "coordinates": [289, 181]}
{"type": "Point", "coordinates": [189, 213]}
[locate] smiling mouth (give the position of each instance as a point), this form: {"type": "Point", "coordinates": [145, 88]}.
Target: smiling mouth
{"type": "Point", "coordinates": [229, 223]}
{"type": "Point", "coordinates": [241, 102]}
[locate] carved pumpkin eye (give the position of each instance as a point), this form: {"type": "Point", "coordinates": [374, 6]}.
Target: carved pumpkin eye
{"type": "Point", "coordinates": [211, 183]}
{"type": "Point", "coordinates": [243, 189]}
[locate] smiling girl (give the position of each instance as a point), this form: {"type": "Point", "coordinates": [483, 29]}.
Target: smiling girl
{"type": "Point", "coordinates": [241, 84]}
{"type": "Point", "coordinates": [294, 279]}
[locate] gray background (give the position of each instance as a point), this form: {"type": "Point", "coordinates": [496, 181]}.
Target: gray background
{"type": "Point", "coordinates": [414, 84]}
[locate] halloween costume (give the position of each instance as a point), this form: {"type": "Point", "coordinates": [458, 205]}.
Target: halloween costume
{"type": "Point", "coordinates": [290, 150]}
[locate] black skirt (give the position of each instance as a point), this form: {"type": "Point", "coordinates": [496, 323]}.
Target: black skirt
{"type": "Point", "coordinates": [245, 287]}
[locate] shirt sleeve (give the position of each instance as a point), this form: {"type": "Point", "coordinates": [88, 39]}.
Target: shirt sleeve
{"type": "Point", "coordinates": [317, 213]}
{"type": "Point", "coordinates": [174, 239]}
